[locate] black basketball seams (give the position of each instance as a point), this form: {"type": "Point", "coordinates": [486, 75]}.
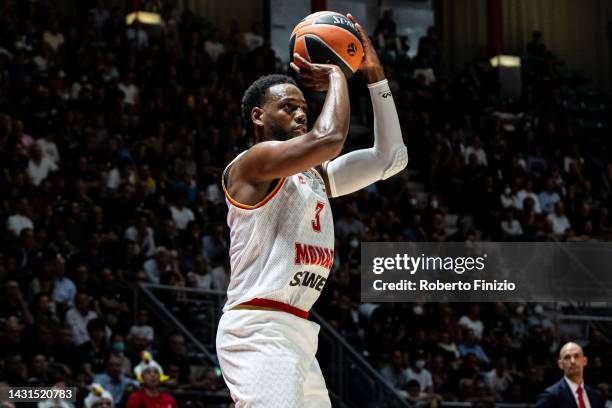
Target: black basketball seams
{"type": "Point", "coordinates": [320, 52]}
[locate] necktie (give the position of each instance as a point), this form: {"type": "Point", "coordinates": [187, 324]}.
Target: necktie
{"type": "Point", "coordinates": [581, 403]}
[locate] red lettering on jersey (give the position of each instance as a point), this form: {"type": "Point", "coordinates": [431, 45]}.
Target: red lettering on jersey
{"type": "Point", "coordinates": [312, 251]}
{"type": "Point", "coordinates": [320, 256]}
{"type": "Point", "coordinates": [313, 255]}
{"type": "Point", "coordinates": [316, 222]}
{"type": "Point", "coordinates": [301, 254]}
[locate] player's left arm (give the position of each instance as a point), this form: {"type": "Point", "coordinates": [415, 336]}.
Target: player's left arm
{"type": "Point", "coordinates": [358, 169]}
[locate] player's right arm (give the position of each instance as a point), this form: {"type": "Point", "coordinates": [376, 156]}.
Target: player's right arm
{"type": "Point", "coordinates": [270, 160]}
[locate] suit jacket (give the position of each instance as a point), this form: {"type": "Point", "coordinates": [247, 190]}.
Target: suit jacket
{"type": "Point", "coordinates": [559, 395]}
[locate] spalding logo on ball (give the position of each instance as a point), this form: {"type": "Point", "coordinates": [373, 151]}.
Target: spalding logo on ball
{"type": "Point", "coordinates": [327, 37]}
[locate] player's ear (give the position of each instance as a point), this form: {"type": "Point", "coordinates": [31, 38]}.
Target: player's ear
{"type": "Point", "coordinates": [257, 116]}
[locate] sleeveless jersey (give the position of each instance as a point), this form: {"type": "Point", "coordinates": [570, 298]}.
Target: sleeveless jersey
{"type": "Point", "coordinates": [281, 249]}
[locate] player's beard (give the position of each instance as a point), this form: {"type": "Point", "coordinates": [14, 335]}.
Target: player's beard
{"type": "Point", "coordinates": [279, 133]}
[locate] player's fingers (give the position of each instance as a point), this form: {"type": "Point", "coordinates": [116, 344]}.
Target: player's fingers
{"type": "Point", "coordinates": [294, 67]}
{"type": "Point", "coordinates": [362, 34]}
{"type": "Point", "coordinates": [306, 64]}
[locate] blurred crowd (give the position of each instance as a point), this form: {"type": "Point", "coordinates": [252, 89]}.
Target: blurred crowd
{"type": "Point", "coordinates": [112, 142]}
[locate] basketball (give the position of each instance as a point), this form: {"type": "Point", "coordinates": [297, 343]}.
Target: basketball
{"type": "Point", "coordinates": [327, 37]}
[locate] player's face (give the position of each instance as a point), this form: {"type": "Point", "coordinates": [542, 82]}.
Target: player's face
{"type": "Point", "coordinates": [284, 112]}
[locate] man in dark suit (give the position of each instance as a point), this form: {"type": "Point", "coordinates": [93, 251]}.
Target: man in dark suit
{"type": "Point", "coordinates": [570, 391]}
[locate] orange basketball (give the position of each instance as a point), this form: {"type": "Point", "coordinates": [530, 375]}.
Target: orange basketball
{"type": "Point", "coordinates": [327, 37]}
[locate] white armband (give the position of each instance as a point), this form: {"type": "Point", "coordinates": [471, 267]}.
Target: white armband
{"type": "Point", "coordinates": [356, 170]}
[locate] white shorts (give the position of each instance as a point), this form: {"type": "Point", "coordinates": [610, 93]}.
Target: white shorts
{"type": "Point", "coordinates": [268, 360]}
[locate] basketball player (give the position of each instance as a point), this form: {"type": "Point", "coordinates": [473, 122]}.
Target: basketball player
{"type": "Point", "coordinates": [281, 227]}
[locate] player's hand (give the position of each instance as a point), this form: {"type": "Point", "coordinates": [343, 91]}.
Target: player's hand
{"type": "Point", "coordinates": [370, 66]}
{"type": "Point", "coordinates": [314, 76]}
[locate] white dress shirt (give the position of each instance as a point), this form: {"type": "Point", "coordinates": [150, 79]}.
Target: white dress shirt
{"type": "Point", "coordinates": [574, 387]}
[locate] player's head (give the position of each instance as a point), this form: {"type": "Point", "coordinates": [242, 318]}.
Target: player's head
{"type": "Point", "coordinates": [274, 108]}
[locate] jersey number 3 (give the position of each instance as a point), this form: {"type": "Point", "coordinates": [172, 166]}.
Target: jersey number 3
{"type": "Point", "coordinates": [316, 222]}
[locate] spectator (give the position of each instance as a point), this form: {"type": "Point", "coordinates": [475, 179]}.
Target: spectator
{"type": "Point", "coordinates": [395, 373]}
{"type": "Point", "coordinates": [215, 246]}
{"type": "Point", "coordinates": [470, 346]}
{"type": "Point", "coordinates": [93, 354]}
{"type": "Point", "coordinates": [499, 378]}
{"type": "Point", "coordinates": [13, 304]}
{"type": "Point", "coordinates": [113, 380]}
{"type": "Point", "coordinates": [53, 37]}
{"type": "Point", "coordinates": [150, 375]}
{"type": "Point", "coordinates": [472, 321]}
{"type": "Point", "coordinates": [141, 327]}
{"type": "Point", "coordinates": [19, 221]}
{"type": "Point", "coordinates": [419, 398]}
{"type": "Point", "coordinates": [475, 148]}
{"type": "Point", "coordinates": [98, 397]}
{"type": "Point", "coordinates": [155, 267]}
{"type": "Point", "coordinates": [40, 165]}
{"type": "Point", "coordinates": [175, 352]}
{"type": "Point", "coordinates": [549, 197]}
{"type": "Point", "coordinates": [419, 373]}
{"type": "Point", "coordinates": [64, 291]}
{"type": "Point", "coordinates": [511, 227]}
{"type": "Point", "coordinates": [79, 317]}
{"type": "Point", "coordinates": [558, 219]}
{"type": "Point", "coordinates": [253, 38]}
{"type": "Point", "coordinates": [527, 192]}
{"type": "Point", "coordinates": [142, 235]}
{"type": "Point", "coordinates": [181, 214]}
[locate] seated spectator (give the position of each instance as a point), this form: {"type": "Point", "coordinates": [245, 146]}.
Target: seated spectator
{"type": "Point", "coordinates": [113, 380]}
{"type": "Point", "coordinates": [142, 235]}
{"type": "Point", "coordinates": [141, 327]}
{"type": "Point", "coordinates": [419, 398]}
{"type": "Point", "coordinates": [79, 317]}
{"type": "Point", "coordinates": [38, 371]}
{"type": "Point", "coordinates": [475, 148]}
{"type": "Point", "coordinates": [470, 346]}
{"type": "Point", "coordinates": [549, 197]}
{"type": "Point", "coordinates": [472, 321]}
{"type": "Point", "coordinates": [558, 219]}
{"type": "Point", "coordinates": [19, 221]}
{"type": "Point", "coordinates": [499, 378]}
{"type": "Point", "coordinates": [44, 311]}
{"type": "Point", "coordinates": [150, 374]}
{"type": "Point", "coordinates": [395, 373]}
{"type": "Point", "coordinates": [418, 372]}
{"type": "Point", "coordinates": [64, 348]}
{"type": "Point", "coordinates": [93, 353]}
{"type": "Point", "coordinates": [155, 267]}
{"type": "Point", "coordinates": [215, 246]}
{"type": "Point", "coordinates": [511, 227]}
{"type": "Point", "coordinates": [253, 38]}
{"type": "Point", "coordinates": [39, 165]}
{"type": "Point", "coordinates": [527, 192]}
{"type": "Point", "coordinates": [13, 304]}
{"type": "Point", "coordinates": [98, 397]}
{"type": "Point", "coordinates": [181, 214]}
{"type": "Point", "coordinates": [447, 348]}
{"type": "Point", "coordinates": [175, 352]}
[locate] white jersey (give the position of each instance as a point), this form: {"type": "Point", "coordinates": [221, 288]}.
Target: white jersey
{"type": "Point", "coordinates": [282, 248]}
